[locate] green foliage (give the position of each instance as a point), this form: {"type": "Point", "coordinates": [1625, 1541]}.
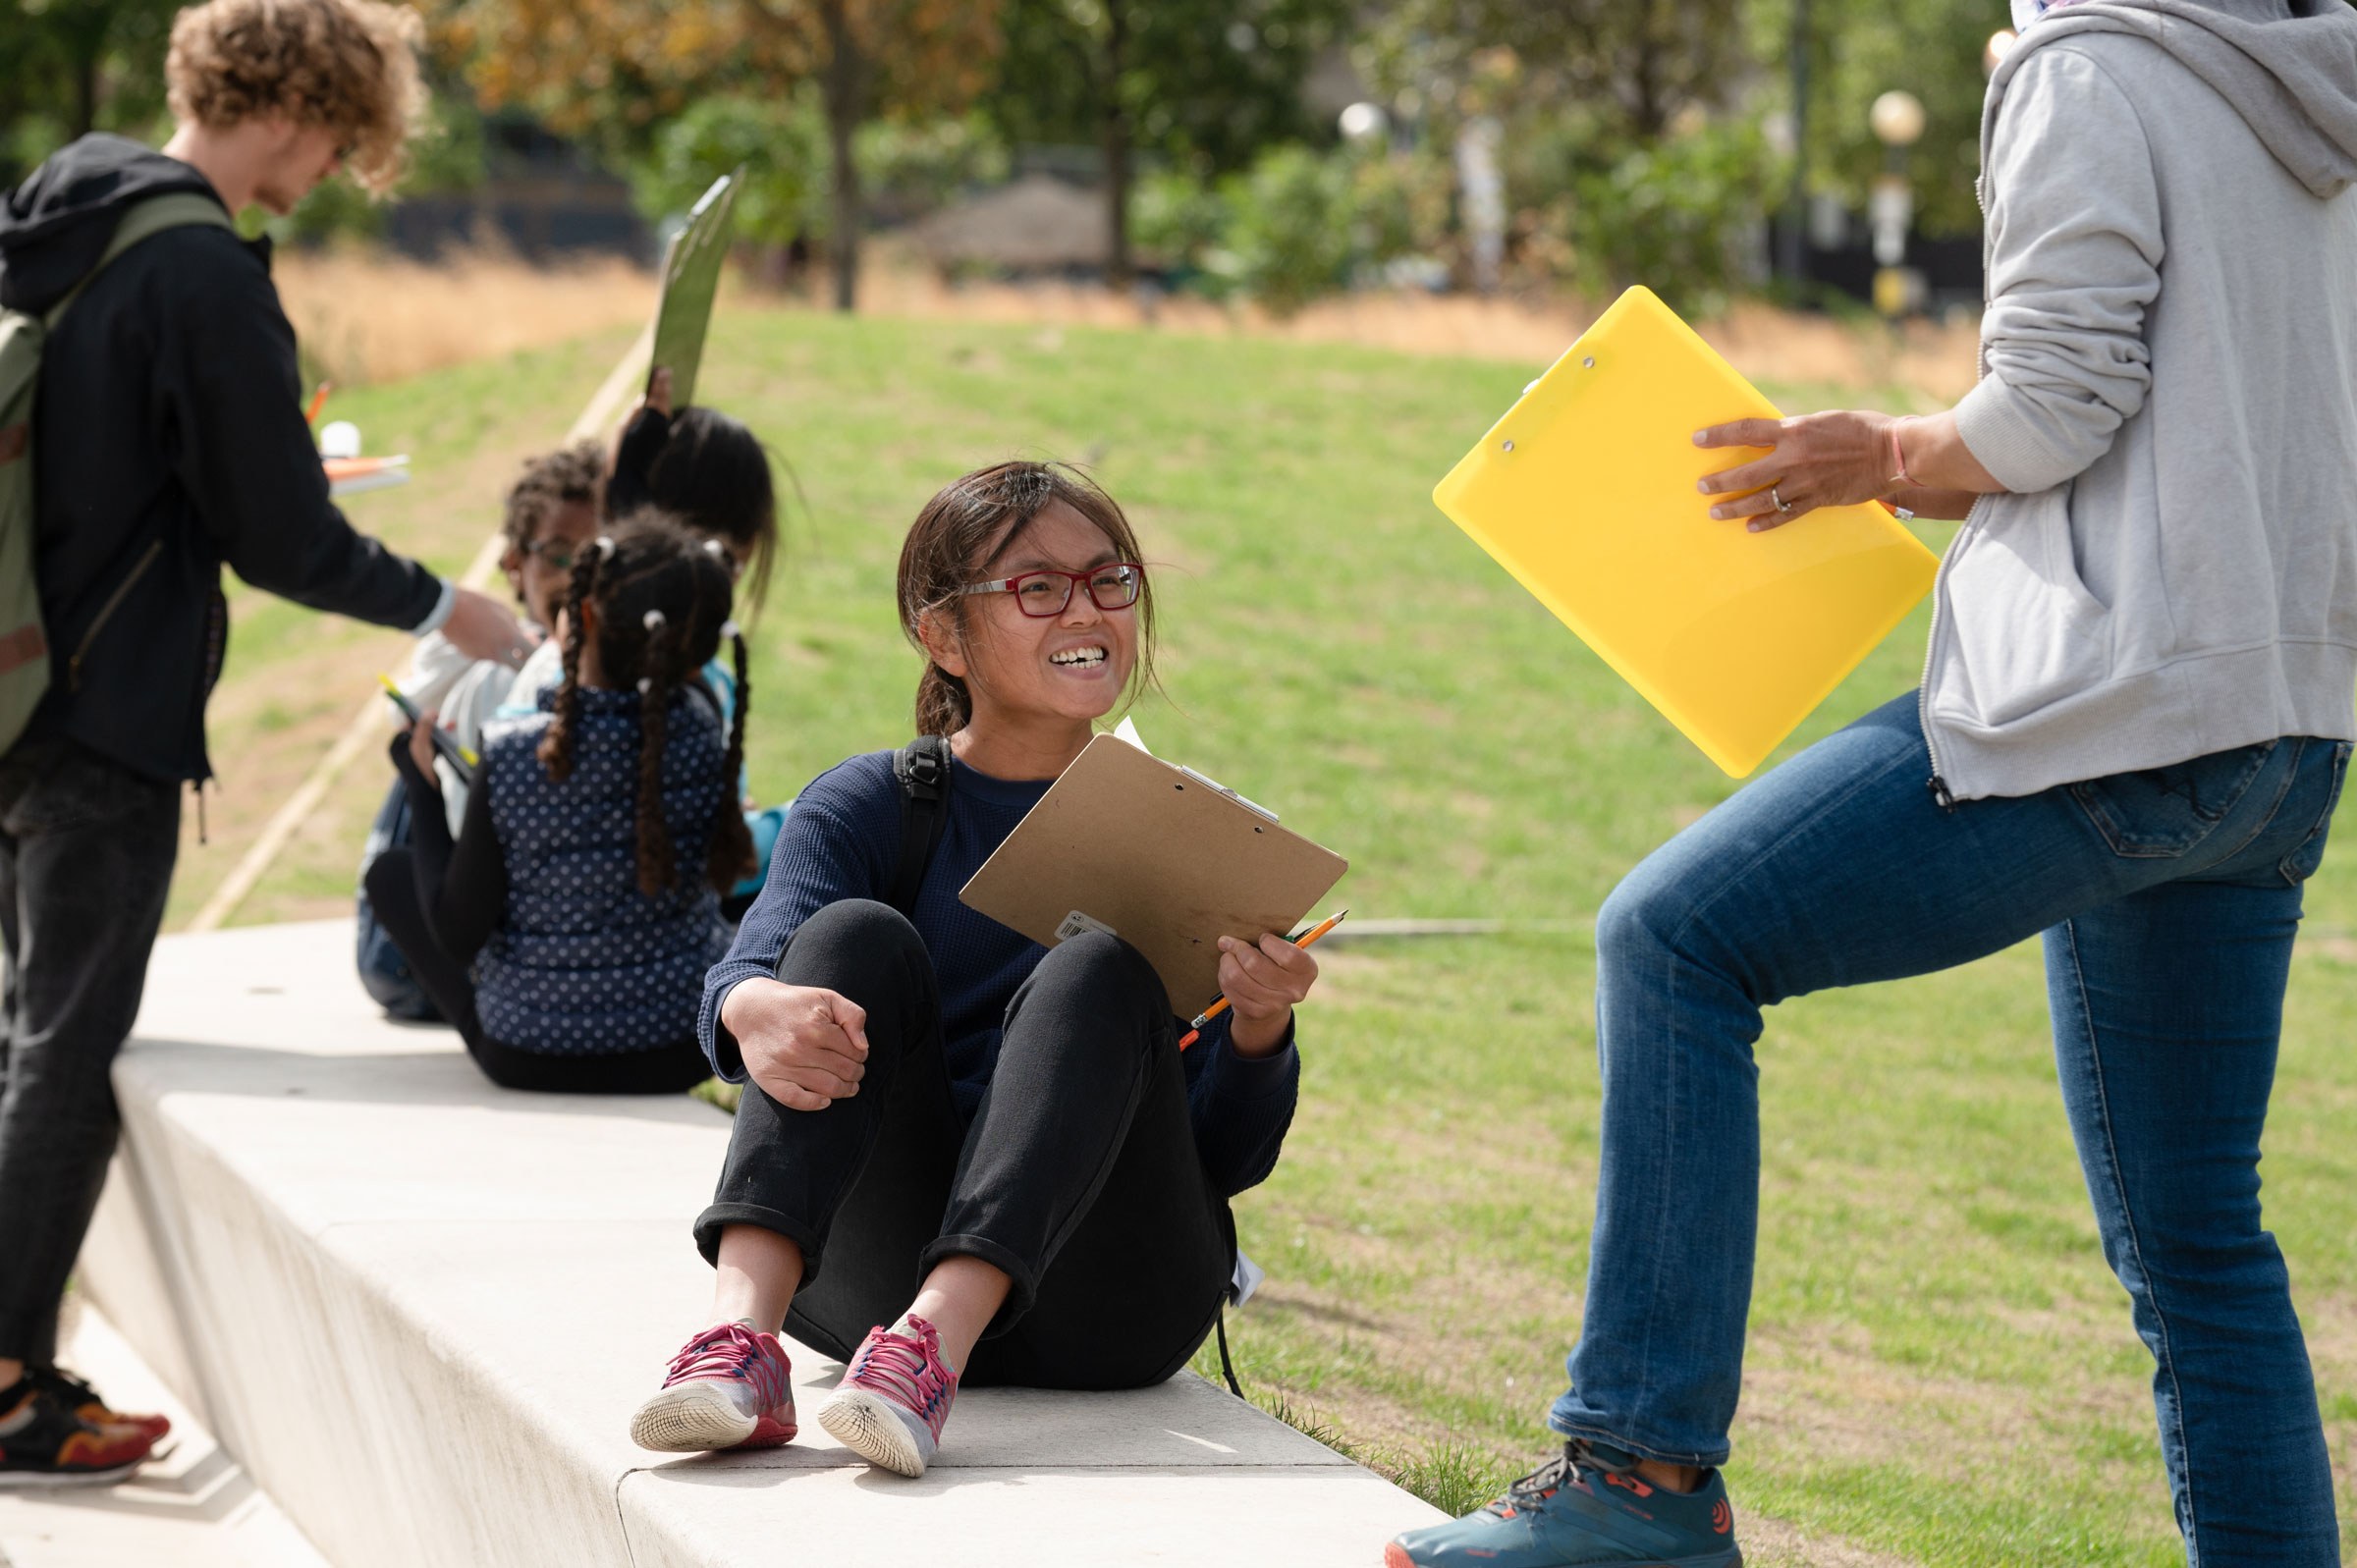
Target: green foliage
{"type": "Point", "coordinates": [1296, 225]}
{"type": "Point", "coordinates": [1287, 236]}
{"type": "Point", "coordinates": [1205, 84]}
{"type": "Point", "coordinates": [72, 66]}
{"type": "Point", "coordinates": [781, 143]}
{"type": "Point", "coordinates": [1681, 216]}
{"type": "Point", "coordinates": [1858, 50]}
{"type": "Point", "coordinates": [1177, 218]}
{"type": "Point", "coordinates": [909, 167]}
{"type": "Point", "coordinates": [905, 167]}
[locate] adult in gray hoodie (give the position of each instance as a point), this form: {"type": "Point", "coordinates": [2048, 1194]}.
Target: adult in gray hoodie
{"type": "Point", "coordinates": [2135, 716]}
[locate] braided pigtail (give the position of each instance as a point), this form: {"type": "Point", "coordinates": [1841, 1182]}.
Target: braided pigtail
{"type": "Point", "coordinates": [657, 676]}
{"type": "Point", "coordinates": [732, 853]}
{"type": "Point", "coordinates": [556, 743]}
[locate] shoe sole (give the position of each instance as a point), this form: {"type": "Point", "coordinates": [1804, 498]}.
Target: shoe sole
{"type": "Point", "coordinates": [45, 1479]}
{"type": "Point", "coordinates": [1396, 1555]}
{"type": "Point", "coordinates": [692, 1418]}
{"type": "Point", "coordinates": [873, 1430]}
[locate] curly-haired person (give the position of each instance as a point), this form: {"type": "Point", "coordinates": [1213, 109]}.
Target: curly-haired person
{"type": "Point", "coordinates": [170, 443]}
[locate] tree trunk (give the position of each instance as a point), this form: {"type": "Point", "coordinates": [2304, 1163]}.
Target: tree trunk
{"type": "Point", "coordinates": [1119, 269]}
{"type": "Point", "coordinates": [844, 84]}
{"type": "Point", "coordinates": [87, 52]}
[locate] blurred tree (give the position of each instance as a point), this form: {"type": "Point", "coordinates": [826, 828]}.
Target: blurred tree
{"type": "Point", "coordinates": [1623, 125]}
{"type": "Point", "coordinates": [905, 167]}
{"type": "Point", "coordinates": [617, 68]}
{"type": "Point", "coordinates": [1634, 66]}
{"type": "Point", "coordinates": [1859, 50]}
{"type": "Point", "coordinates": [71, 67]}
{"type": "Point", "coordinates": [1203, 84]}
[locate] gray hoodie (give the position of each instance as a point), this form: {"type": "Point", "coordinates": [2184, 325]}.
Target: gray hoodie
{"type": "Point", "coordinates": [2166, 394]}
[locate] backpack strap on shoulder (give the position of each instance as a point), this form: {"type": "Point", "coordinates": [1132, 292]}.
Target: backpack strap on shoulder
{"type": "Point", "coordinates": [144, 220]}
{"type": "Point", "coordinates": [921, 767]}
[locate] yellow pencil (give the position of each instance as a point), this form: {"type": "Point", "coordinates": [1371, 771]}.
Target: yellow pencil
{"type": "Point", "coordinates": [1194, 1030]}
{"type": "Point", "coordinates": [462, 756]}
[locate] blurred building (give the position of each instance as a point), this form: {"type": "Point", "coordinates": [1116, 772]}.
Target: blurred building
{"type": "Point", "coordinates": [542, 198]}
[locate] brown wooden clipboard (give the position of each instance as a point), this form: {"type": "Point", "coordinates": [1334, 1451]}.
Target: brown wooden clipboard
{"type": "Point", "coordinates": [1158, 855]}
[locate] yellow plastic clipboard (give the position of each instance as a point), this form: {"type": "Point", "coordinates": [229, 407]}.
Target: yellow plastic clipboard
{"type": "Point", "coordinates": [1585, 492]}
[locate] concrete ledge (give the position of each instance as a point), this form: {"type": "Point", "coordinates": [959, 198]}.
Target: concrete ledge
{"type": "Point", "coordinates": [421, 1310]}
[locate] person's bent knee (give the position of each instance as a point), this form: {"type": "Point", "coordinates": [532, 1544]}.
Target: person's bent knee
{"type": "Point", "coordinates": [1104, 967]}
{"type": "Point", "coordinates": [851, 939]}
{"type": "Point", "coordinates": [863, 921]}
{"type": "Point", "coordinates": [1642, 918]}
{"type": "Point", "coordinates": [388, 878]}
{"type": "Point", "coordinates": [1654, 922]}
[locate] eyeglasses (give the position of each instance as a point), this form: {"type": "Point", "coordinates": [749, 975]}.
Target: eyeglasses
{"type": "Point", "coordinates": [556, 551]}
{"type": "Point", "coordinates": [1041, 594]}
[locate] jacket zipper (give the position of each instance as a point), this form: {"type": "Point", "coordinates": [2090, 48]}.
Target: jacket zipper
{"type": "Point", "coordinates": [1941, 793]}
{"type": "Point", "coordinates": [1937, 786]}
{"type": "Point", "coordinates": [106, 612]}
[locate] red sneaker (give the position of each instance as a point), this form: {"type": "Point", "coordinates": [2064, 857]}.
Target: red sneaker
{"type": "Point", "coordinates": [44, 1442]}
{"type": "Point", "coordinates": [728, 1387]}
{"type": "Point", "coordinates": [85, 1402]}
{"type": "Point", "coordinates": [892, 1399]}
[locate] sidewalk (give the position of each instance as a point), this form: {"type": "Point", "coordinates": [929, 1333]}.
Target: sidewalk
{"type": "Point", "coordinates": [191, 1507]}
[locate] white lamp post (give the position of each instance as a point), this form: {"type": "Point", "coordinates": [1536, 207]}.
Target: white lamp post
{"type": "Point", "coordinates": [1897, 120]}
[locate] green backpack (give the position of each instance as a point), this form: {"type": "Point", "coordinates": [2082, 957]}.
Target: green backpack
{"type": "Point", "coordinates": [24, 645]}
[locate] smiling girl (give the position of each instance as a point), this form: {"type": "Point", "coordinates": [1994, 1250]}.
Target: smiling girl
{"type": "Point", "coordinates": [996, 1150]}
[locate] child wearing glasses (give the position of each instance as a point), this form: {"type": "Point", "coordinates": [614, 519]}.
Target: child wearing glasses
{"type": "Point", "coordinates": [552, 513]}
{"type": "Point", "coordinates": [962, 1158]}
{"type": "Point", "coordinates": [566, 927]}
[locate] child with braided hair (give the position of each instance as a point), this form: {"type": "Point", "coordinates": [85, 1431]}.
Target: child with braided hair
{"type": "Point", "coordinates": [567, 928]}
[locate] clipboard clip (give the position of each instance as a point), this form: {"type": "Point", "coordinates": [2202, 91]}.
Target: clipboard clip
{"type": "Point", "coordinates": [1214, 785]}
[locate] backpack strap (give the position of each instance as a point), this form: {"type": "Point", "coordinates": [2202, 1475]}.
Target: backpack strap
{"type": "Point", "coordinates": [144, 220]}
{"type": "Point", "coordinates": [923, 770]}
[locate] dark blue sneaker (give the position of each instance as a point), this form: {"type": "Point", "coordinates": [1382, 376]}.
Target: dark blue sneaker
{"type": "Point", "coordinates": [1589, 1509]}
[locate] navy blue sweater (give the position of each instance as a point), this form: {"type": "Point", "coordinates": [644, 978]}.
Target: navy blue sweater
{"type": "Point", "coordinates": [842, 839]}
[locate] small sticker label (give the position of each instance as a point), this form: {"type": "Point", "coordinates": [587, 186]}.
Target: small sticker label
{"type": "Point", "coordinates": [1077, 923]}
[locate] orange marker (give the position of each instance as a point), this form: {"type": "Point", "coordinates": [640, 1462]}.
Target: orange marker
{"type": "Point", "coordinates": [310, 416]}
{"type": "Point", "coordinates": [1194, 1030]}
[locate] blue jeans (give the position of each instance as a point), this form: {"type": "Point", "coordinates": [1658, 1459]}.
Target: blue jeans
{"type": "Point", "coordinates": [2167, 900]}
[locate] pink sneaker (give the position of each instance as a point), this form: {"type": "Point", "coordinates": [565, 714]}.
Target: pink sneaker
{"type": "Point", "coordinates": [892, 1399]}
{"type": "Point", "coordinates": [728, 1388]}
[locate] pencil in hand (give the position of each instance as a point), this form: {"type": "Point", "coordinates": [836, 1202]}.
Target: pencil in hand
{"type": "Point", "coordinates": [1309, 939]}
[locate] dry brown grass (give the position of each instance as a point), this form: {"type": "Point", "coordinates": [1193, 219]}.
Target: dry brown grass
{"type": "Point", "coordinates": [367, 316]}
{"type": "Point", "coordinates": [1935, 361]}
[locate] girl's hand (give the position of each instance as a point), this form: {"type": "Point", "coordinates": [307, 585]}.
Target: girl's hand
{"type": "Point", "coordinates": [1262, 982]}
{"type": "Point", "coordinates": [805, 1047]}
{"type": "Point", "coordinates": [1819, 459]}
{"type": "Point", "coordinates": [421, 745]}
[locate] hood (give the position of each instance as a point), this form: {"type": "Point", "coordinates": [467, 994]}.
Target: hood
{"type": "Point", "coordinates": [2288, 67]}
{"type": "Point", "coordinates": [55, 226]}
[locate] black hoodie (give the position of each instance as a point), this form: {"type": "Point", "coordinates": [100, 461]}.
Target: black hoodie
{"type": "Point", "coordinates": [169, 440]}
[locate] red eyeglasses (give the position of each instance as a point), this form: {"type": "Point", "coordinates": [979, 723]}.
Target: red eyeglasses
{"type": "Point", "coordinates": [1041, 594]}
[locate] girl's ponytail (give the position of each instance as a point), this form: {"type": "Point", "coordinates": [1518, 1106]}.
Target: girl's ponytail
{"type": "Point", "coordinates": [943, 704]}
{"type": "Point", "coordinates": [556, 744]}
{"type": "Point", "coordinates": [732, 853]}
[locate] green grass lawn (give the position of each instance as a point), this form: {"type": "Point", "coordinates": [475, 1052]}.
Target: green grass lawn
{"type": "Point", "coordinates": [1942, 1371]}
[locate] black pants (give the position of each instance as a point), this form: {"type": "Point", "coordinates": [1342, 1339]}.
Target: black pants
{"type": "Point", "coordinates": [392, 883]}
{"type": "Point", "coordinates": [87, 847]}
{"type": "Point", "coordinates": [1078, 1176]}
